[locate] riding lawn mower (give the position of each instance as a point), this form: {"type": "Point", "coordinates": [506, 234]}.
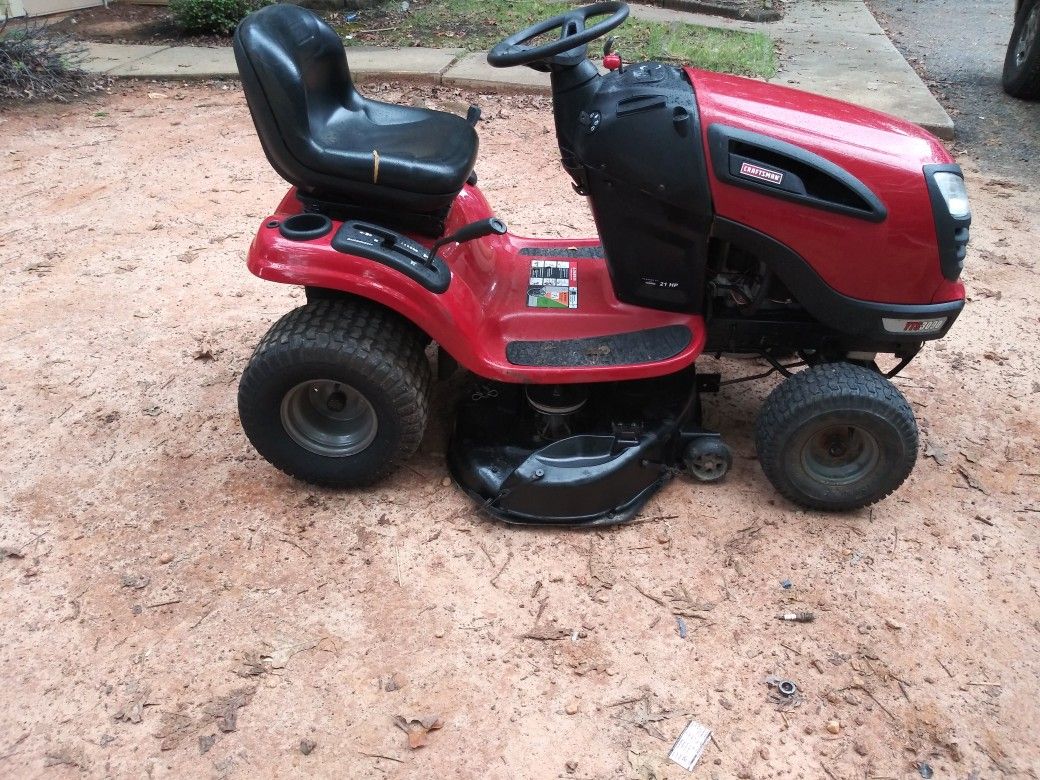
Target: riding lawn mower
{"type": "Point", "coordinates": [734, 217]}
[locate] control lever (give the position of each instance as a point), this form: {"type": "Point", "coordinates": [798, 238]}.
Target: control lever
{"type": "Point", "coordinates": [479, 229]}
{"type": "Point", "coordinates": [612, 60]}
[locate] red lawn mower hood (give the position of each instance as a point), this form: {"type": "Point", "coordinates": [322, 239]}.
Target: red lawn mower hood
{"type": "Point", "coordinates": [882, 159]}
{"type": "Point", "coordinates": [829, 127]}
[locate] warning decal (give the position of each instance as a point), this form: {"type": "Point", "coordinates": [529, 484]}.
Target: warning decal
{"type": "Point", "coordinates": [553, 284]}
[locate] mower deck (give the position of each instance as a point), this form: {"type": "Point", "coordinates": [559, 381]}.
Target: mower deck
{"type": "Point", "coordinates": [587, 456]}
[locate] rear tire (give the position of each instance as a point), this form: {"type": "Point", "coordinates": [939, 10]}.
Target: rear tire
{"type": "Point", "coordinates": [836, 437]}
{"type": "Point", "coordinates": [1022, 63]}
{"type": "Point", "coordinates": [337, 393]}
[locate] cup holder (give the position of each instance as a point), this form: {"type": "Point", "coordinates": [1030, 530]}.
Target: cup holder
{"type": "Point", "coordinates": [305, 227]}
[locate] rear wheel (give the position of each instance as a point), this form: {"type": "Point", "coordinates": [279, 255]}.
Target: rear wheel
{"type": "Point", "coordinates": [836, 437]}
{"type": "Point", "coordinates": [1022, 64]}
{"type": "Point", "coordinates": [336, 393]}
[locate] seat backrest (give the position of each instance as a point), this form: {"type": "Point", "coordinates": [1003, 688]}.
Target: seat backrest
{"type": "Point", "coordinates": [295, 75]}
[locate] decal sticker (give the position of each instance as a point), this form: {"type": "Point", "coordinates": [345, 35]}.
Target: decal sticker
{"type": "Point", "coordinates": [913, 326]}
{"type": "Point", "coordinates": [553, 285]}
{"type": "Point", "coordinates": [650, 282]}
{"type": "Point", "coordinates": [758, 172]}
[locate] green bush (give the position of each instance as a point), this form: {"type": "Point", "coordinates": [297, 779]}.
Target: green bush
{"type": "Point", "coordinates": [211, 17]}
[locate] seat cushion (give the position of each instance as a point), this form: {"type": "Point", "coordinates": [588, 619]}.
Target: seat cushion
{"type": "Point", "coordinates": [323, 136]}
{"type": "Point", "coordinates": [418, 150]}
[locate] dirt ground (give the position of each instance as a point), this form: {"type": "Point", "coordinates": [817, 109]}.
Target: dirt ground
{"type": "Point", "coordinates": [172, 606]}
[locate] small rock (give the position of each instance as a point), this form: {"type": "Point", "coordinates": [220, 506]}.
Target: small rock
{"type": "Point", "coordinates": [893, 624]}
{"type": "Point", "coordinates": [572, 767]}
{"type": "Point", "coordinates": [446, 482]}
{"type": "Point", "coordinates": [206, 742]}
{"type": "Point", "coordinates": [833, 726]}
{"type": "Point", "coordinates": [307, 746]}
{"type": "Point", "coordinates": [571, 708]}
{"type": "Point", "coordinates": [764, 752]}
{"type": "Point", "coordinates": [395, 683]}
{"type": "Point", "coordinates": [860, 748]}
{"type": "Point", "coordinates": [439, 633]}
{"type": "Point", "coordinates": [166, 558]}
{"type": "Point", "coordinates": [662, 539]}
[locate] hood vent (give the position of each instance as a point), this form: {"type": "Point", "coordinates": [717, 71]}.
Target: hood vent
{"type": "Point", "coordinates": [785, 171]}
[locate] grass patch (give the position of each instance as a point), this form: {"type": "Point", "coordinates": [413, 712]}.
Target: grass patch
{"type": "Point", "coordinates": [476, 25]}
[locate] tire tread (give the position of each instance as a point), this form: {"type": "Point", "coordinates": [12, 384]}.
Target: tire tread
{"type": "Point", "coordinates": [352, 332]}
{"type": "Point", "coordinates": [831, 386]}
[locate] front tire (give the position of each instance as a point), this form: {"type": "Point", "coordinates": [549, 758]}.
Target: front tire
{"type": "Point", "coordinates": [337, 393]}
{"type": "Point", "coordinates": [836, 437]}
{"type": "Point", "coordinates": [1022, 63]}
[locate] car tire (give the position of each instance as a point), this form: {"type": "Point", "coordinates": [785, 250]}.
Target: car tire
{"type": "Point", "coordinates": [337, 393]}
{"type": "Point", "coordinates": [1022, 64]}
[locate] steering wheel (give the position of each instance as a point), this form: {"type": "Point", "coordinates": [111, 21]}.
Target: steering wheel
{"type": "Point", "coordinates": [573, 33]}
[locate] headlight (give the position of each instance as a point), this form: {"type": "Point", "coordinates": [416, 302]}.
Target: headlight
{"type": "Point", "coordinates": [952, 214]}
{"type": "Point", "coordinates": [951, 187]}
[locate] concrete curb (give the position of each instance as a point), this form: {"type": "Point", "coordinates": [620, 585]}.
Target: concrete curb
{"type": "Point", "coordinates": [832, 47]}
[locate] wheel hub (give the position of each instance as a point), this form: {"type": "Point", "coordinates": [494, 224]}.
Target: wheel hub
{"type": "Point", "coordinates": [840, 454]}
{"type": "Point", "coordinates": [329, 418]}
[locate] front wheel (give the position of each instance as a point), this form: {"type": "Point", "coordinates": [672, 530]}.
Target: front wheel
{"type": "Point", "coordinates": [1022, 64]}
{"type": "Point", "coordinates": [336, 393]}
{"type": "Point", "coordinates": [836, 437]}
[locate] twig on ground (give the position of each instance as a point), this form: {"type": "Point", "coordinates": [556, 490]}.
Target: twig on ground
{"type": "Point", "coordinates": [644, 593]}
{"type": "Point", "coordinates": [502, 569]}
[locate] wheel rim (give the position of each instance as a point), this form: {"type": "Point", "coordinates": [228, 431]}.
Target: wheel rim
{"type": "Point", "coordinates": [329, 418]}
{"type": "Point", "coordinates": [1028, 36]}
{"type": "Point", "coordinates": [840, 454]}
{"type": "Point", "coordinates": [708, 468]}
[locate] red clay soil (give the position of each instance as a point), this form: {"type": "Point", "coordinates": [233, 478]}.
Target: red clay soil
{"type": "Point", "coordinates": [172, 606]}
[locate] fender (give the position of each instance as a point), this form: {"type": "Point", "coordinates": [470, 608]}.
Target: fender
{"type": "Point", "coordinates": [481, 318]}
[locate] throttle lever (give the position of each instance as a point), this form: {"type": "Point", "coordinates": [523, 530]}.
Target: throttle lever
{"type": "Point", "coordinates": [478, 229]}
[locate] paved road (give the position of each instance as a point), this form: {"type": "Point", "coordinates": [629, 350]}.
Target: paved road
{"type": "Point", "coordinates": [959, 49]}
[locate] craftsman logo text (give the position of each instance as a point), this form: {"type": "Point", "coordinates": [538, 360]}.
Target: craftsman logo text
{"type": "Point", "coordinates": [758, 172]}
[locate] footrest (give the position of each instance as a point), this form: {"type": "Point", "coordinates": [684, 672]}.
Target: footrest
{"type": "Point", "coordinates": [619, 349]}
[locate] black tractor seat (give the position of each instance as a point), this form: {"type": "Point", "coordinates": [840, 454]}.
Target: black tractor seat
{"type": "Point", "coordinates": [335, 145]}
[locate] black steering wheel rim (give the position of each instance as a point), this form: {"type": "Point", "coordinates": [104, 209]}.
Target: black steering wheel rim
{"type": "Point", "coordinates": [511, 51]}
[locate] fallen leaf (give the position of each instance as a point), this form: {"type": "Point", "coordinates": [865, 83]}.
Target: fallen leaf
{"type": "Point", "coordinates": [133, 710]}
{"type": "Point", "coordinates": [683, 604]}
{"type": "Point", "coordinates": [972, 480]}
{"type": "Point", "coordinates": [283, 649]}
{"type": "Point", "coordinates": [173, 727]}
{"type": "Point", "coordinates": [417, 728]}
{"type": "Point", "coordinates": [136, 581]}
{"type": "Point", "coordinates": [937, 453]}
{"type": "Point", "coordinates": [225, 709]}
